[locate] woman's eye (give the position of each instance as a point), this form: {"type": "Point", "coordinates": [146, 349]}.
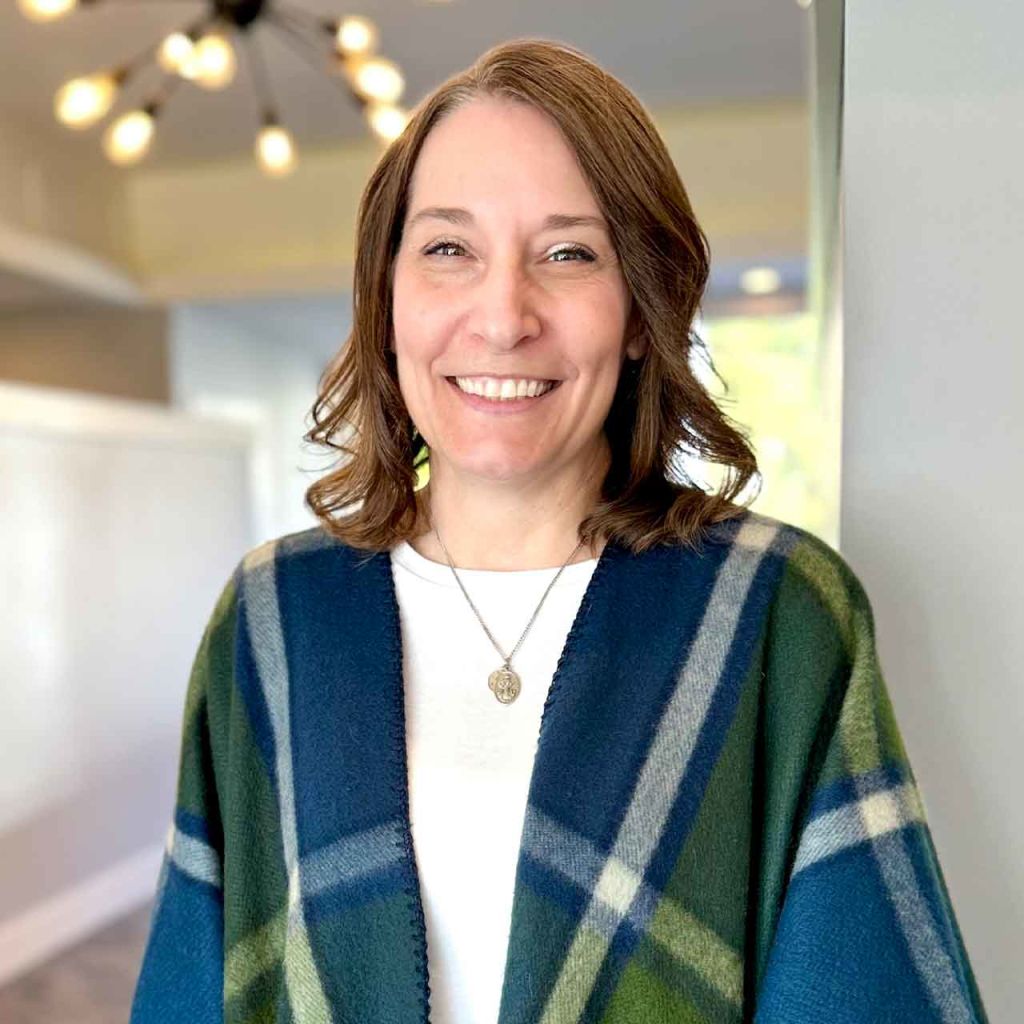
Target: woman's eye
{"type": "Point", "coordinates": [574, 250]}
{"type": "Point", "coordinates": [441, 245]}
{"type": "Point", "coordinates": [571, 250]}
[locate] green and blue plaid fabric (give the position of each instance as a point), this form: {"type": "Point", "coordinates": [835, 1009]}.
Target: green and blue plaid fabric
{"type": "Point", "coordinates": [722, 823]}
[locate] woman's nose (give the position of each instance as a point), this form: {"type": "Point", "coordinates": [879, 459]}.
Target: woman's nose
{"type": "Point", "coordinates": [505, 311]}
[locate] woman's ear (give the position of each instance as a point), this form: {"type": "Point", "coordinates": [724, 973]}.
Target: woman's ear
{"type": "Point", "coordinates": [636, 337]}
{"type": "Point", "coordinates": [637, 348]}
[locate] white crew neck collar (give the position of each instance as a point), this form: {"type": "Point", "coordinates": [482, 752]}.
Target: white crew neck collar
{"type": "Point", "coordinates": [406, 556]}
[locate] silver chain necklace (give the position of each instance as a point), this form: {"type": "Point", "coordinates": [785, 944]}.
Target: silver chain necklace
{"type": "Point", "coordinates": [504, 682]}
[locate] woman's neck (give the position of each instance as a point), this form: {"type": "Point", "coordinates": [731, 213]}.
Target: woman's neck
{"type": "Point", "coordinates": [488, 528]}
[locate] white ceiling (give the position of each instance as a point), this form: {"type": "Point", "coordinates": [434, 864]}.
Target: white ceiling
{"type": "Point", "coordinates": [667, 51]}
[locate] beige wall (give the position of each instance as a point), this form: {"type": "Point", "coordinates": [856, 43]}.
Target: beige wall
{"type": "Point", "coordinates": [224, 229]}
{"type": "Point", "coordinates": [54, 184]}
{"type": "Point", "coordinates": [119, 352]}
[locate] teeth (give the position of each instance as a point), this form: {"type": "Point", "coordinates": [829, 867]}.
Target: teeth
{"type": "Point", "coordinates": [503, 390]}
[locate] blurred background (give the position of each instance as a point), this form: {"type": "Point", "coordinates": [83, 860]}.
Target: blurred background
{"type": "Point", "coordinates": [177, 207]}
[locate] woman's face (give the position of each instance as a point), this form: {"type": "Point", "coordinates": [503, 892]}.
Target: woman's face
{"type": "Point", "coordinates": [506, 271]}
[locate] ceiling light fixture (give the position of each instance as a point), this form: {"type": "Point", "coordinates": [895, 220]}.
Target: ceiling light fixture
{"type": "Point", "coordinates": [203, 52]}
{"type": "Point", "coordinates": [760, 280]}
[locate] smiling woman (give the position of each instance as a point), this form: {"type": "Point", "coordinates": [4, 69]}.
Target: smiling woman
{"type": "Point", "coordinates": [688, 798]}
{"type": "Point", "coordinates": [517, 296]}
{"type": "Point", "coordinates": [528, 224]}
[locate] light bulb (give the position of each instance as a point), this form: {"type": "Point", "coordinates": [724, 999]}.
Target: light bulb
{"type": "Point", "coordinates": [386, 120]}
{"type": "Point", "coordinates": [127, 139]}
{"type": "Point", "coordinates": [175, 52]}
{"type": "Point", "coordinates": [213, 62]}
{"type": "Point", "coordinates": [46, 10]}
{"type": "Point", "coordinates": [355, 35]}
{"type": "Point", "coordinates": [189, 67]}
{"type": "Point", "coordinates": [376, 78]}
{"type": "Point", "coordinates": [83, 101]}
{"type": "Point", "coordinates": [760, 280]}
{"type": "Point", "coordinates": [275, 150]}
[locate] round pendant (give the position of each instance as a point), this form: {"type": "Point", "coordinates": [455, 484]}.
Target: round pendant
{"type": "Point", "coordinates": [504, 683]}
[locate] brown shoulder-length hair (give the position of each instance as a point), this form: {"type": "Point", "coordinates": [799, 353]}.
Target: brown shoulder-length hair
{"type": "Point", "coordinates": [660, 409]}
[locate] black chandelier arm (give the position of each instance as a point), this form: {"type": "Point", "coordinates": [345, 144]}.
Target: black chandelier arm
{"type": "Point", "coordinates": [310, 19]}
{"type": "Point", "coordinates": [289, 35]}
{"type": "Point", "coordinates": [123, 73]}
{"type": "Point", "coordinates": [260, 78]}
{"type": "Point", "coordinates": [196, 27]}
{"type": "Point", "coordinates": [156, 103]}
{"type": "Point", "coordinates": [297, 27]}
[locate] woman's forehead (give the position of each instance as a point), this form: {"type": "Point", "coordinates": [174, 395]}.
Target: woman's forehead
{"type": "Point", "coordinates": [473, 178]}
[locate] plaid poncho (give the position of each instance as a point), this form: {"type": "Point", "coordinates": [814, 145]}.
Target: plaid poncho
{"type": "Point", "coordinates": [722, 823]}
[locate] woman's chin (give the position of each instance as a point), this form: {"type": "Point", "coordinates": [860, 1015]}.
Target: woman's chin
{"type": "Point", "coordinates": [494, 467]}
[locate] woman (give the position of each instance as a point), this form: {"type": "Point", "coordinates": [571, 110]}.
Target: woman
{"type": "Point", "coordinates": [638, 734]}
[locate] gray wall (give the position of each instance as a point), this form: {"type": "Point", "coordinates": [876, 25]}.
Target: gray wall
{"type": "Point", "coordinates": [933, 438]}
{"type": "Point", "coordinates": [258, 362]}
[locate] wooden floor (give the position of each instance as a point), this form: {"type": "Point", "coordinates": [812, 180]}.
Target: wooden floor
{"type": "Point", "coordinates": [91, 983]}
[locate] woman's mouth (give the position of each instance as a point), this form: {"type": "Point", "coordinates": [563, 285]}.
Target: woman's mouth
{"type": "Point", "coordinates": [502, 394]}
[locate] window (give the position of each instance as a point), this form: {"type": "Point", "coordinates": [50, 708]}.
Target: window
{"type": "Point", "coordinates": [777, 390]}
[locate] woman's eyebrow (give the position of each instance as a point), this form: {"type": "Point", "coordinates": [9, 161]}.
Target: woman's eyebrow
{"type": "Point", "coordinates": [462, 217]}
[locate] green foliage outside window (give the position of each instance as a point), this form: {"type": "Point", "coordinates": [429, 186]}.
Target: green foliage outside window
{"type": "Point", "coordinates": [776, 392]}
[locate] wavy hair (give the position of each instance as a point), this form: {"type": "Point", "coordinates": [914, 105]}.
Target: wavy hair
{"type": "Point", "coordinates": [660, 409]}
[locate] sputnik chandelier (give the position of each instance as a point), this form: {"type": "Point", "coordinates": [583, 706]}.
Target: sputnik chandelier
{"type": "Point", "coordinates": [203, 52]}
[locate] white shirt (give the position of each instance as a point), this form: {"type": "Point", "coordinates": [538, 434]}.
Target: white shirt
{"type": "Point", "coordinates": [470, 757]}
